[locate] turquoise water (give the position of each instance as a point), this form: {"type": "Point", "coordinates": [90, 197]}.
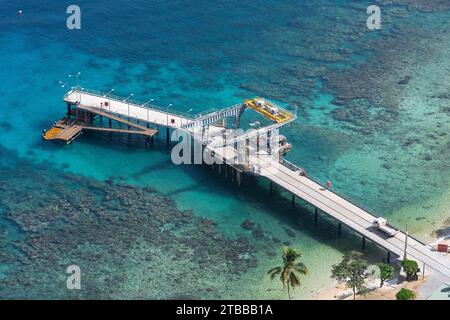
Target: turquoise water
{"type": "Point", "coordinates": [375, 139]}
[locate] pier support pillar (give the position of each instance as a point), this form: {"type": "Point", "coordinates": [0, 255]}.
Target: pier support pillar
{"type": "Point", "coordinates": [151, 142]}
{"type": "Point", "coordinates": [388, 257]}
{"type": "Point", "coordinates": [167, 136]}
{"type": "Point", "coordinates": [316, 215]}
{"type": "Point", "coordinates": [339, 228]}
{"type": "Point", "coordinates": [110, 123]}
{"type": "Point", "coordinates": [226, 170]}
{"type": "Point", "coordinates": [363, 243]}
{"type": "Point", "coordinates": [220, 168]}
{"type": "Point", "coordinates": [423, 271]}
{"type": "Point", "coordinates": [69, 110]}
{"type": "Point", "coordinates": [293, 201]}
{"type": "Point", "coordinates": [269, 138]}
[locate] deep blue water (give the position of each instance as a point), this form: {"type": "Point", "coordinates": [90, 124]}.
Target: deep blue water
{"type": "Point", "coordinates": [203, 54]}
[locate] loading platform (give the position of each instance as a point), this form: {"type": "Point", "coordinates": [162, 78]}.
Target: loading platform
{"type": "Point", "coordinates": [254, 152]}
{"type": "Point", "coordinates": [67, 129]}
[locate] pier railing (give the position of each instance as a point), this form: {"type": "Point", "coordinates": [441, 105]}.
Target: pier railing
{"type": "Point", "coordinates": [141, 104]}
{"type": "Point", "coordinates": [342, 195]}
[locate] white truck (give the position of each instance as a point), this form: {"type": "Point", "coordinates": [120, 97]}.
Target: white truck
{"type": "Point", "coordinates": [381, 224]}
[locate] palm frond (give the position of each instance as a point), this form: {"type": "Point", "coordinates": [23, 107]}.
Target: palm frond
{"type": "Point", "coordinates": [301, 268]}
{"type": "Point", "coordinates": [294, 280]}
{"type": "Point", "coordinates": [273, 272]}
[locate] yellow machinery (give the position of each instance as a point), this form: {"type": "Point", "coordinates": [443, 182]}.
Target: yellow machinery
{"type": "Point", "coordinates": [52, 133]}
{"type": "Point", "coordinates": [268, 110]}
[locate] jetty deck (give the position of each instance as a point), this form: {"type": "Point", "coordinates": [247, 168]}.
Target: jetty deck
{"type": "Point", "coordinates": [278, 171]}
{"type": "Point", "coordinates": [353, 216]}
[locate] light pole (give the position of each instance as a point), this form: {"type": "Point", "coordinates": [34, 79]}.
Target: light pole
{"type": "Point", "coordinates": [128, 103]}
{"type": "Point", "coordinates": [149, 101]}
{"type": "Point", "coordinates": [187, 112]}
{"type": "Point", "coordinates": [406, 243]}
{"type": "Point", "coordinates": [106, 94]}
{"type": "Point", "coordinates": [78, 78]}
{"type": "Point", "coordinates": [79, 102]}
{"type": "Point", "coordinates": [109, 100]}
{"type": "Point", "coordinates": [77, 75]}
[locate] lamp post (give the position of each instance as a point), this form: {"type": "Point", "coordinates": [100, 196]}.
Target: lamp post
{"type": "Point", "coordinates": [406, 243]}
{"type": "Point", "coordinates": [128, 103]}
{"type": "Point", "coordinates": [109, 100]}
{"type": "Point", "coordinates": [77, 75]}
{"type": "Point", "coordinates": [167, 113]}
{"type": "Point", "coordinates": [149, 101]}
{"type": "Point", "coordinates": [187, 112]}
{"type": "Point", "coordinates": [106, 94]}
{"type": "Point", "coordinates": [79, 102]}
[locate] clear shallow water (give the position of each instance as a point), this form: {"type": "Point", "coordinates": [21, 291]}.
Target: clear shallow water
{"type": "Point", "coordinates": [201, 56]}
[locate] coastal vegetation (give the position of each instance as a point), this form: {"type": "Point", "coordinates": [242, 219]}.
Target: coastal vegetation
{"type": "Point", "coordinates": [291, 270]}
{"type": "Point", "coordinates": [351, 271]}
{"type": "Point", "coordinates": [386, 272]}
{"type": "Point", "coordinates": [405, 294]}
{"type": "Point", "coordinates": [411, 269]}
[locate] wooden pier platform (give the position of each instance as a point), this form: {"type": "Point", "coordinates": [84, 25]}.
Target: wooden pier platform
{"type": "Point", "coordinates": [67, 130]}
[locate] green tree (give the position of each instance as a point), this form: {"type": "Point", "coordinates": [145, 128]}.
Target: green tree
{"type": "Point", "coordinates": [351, 271]}
{"type": "Point", "coordinates": [405, 294]}
{"type": "Point", "coordinates": [411, 268]}
{"type": "Point", "coordinates": [290, 271]}
{"type": "Point", "coordinates": [386, 272]}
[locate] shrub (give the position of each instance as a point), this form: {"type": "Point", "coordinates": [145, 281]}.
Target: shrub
{"type": "Point", "coordinates": [405, 294]}
{"type": "Point", "coordinates": [386, 272]}
{"type": "Point", "coordinates": [411, 268]}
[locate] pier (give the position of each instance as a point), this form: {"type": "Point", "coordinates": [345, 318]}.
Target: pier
{"type": "Point", "coordinates": [262, 156]}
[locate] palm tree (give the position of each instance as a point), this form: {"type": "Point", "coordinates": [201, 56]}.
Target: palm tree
{"type": "Point", "coordinates": [290, 271]}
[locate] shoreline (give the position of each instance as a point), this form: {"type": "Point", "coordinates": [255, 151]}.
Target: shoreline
{"type": "Point", "coordinates": [387, 292]}
{"type": "Point", "coordinates": [424, 288]}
